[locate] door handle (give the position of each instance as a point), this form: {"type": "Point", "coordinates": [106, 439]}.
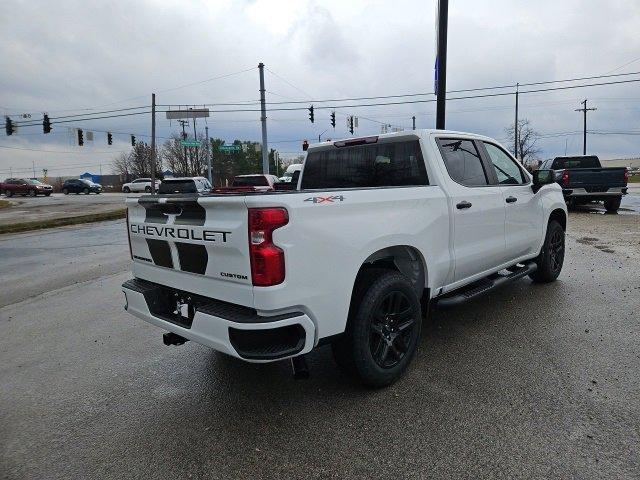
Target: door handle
{"type": "Point", "coordinates": [511, 199]}
{"type": "Point", "coordinates": [462, 205]}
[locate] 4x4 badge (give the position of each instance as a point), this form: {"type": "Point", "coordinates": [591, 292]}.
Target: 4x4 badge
{"type": "Point", "coordinates": [332, 199]}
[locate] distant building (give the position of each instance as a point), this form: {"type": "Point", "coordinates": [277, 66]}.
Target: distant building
{"type": "Point", "coordinates": [622, 162]}
{"type": "Point", "coordinates": [167, 174]}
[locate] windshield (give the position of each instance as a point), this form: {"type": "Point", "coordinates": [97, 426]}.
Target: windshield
{"type": "Point", "coordinates": [34, 182]}
{"type": "Point", "coordinates": [253, 181]}
{"type": "Point", "coordinates": [576, 162]}
{"type": "Point", "coordinates": [287, 174]}
{"type": "Point", "coordinates": [177, 186]}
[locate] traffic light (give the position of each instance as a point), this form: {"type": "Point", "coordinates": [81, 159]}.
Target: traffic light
{"type": "Point", "coordinates": [305, 145]}
{"type": "Point", "coordinates": [109, 138]}
{"type": "Point", "coordinates": [9, 126]}
{"type": "Point", "coordinates": [311, 113]}
{"type": "Point", "coordinates": [351, 124]}
{"type": "Point", "coordinates": [133, 140]}
{"type": "Point", "coordinates": [333, 119]}
{"type": "Point", "coordinates": [46, 124]}
{"type": "Point", "coordinates": [80, 137]}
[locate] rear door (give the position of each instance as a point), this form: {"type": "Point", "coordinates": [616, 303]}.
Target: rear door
{"type": "Point", "coordinates": [477, 206]}
{"type": "Point", "coordinates": [523, 214]}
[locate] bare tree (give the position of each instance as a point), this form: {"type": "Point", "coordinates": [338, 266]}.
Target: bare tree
{"type": "Point", "coordinates": [194, 163]}
{"type": "Point", "coordinates": [122, 165]}
{"type": "Point", "coordinates": [527, 138]}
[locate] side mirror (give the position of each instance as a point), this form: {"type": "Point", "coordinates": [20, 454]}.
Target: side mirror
{"type": "Point", "coordinates": [542, 178]}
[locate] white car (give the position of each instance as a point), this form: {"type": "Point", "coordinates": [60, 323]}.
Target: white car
{"type": "Point", "coordinates": [286, 177]}
{"type": "Point", "coordinates": [139, 185]}
{"type": "Point", "coordinates": [380, 228]}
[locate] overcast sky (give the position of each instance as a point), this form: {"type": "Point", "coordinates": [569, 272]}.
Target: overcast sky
{"type": "Point", "coordinates": [64, 56]}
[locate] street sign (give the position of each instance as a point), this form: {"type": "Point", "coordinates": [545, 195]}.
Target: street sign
{"type": "Point", "coordinates": [190, 113]}
{"type": "Point", "coordinates": [229, 148]}
{"type": "Point", "coordinates": [190, 143]}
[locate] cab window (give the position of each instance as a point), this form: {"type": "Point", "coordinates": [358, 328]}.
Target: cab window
{"type": "Point", "coordinates": [463, 162]}
{"type": "Point", "coordinates": [507, 170]}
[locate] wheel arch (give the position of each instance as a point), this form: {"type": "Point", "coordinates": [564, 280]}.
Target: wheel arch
{"type": "Point", "coordinates": [560, 216]}
{"type": "Point", "coordinates": [405, 259]}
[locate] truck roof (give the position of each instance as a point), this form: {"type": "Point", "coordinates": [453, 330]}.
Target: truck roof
{"type": "Point", "coordinates": [424, 132]}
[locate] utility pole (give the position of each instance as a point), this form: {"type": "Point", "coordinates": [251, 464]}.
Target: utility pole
{"type": "Point", "coordinates": [515, 126]}
{"type": "Point", "coordinates": [441, 63]}
{"type": "Point", "coordinates": [414, 121]}
{"type": "Point", "coordinates": [195, 137]}
{"type": "Point", "coordinates": [33, 164]}
{"type": "Point", "coordinates": [263, 119]}
{"type": "Point", "coordinates": [184, 149]}
{"type": "Point", "coordinates": [206, 132]}
{"type": "Point", "coordinates": [584, 110]}
{"type": "Point", "coordinates": [153, 145]}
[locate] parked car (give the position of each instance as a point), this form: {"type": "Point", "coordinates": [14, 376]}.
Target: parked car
{"type": "Point", "coordinates": [185, 185]}
{"type": "Point", "coordinates": [584, 180]}
{"type": "Point", "coordinates": [286, 177]}
{"type": "Point", "coordinates": [139, 185]}
{"type": "Point", "coordinates": [380, 227]}
{"type": "Point", "coordinates": [80, 185]}
{"type": "Point", "coordinates": [24, 187]}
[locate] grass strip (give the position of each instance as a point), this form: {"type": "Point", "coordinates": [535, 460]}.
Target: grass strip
{"type": "Point", "coordinates": [61, 222]}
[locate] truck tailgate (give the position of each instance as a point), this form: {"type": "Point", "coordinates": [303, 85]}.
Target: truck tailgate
{"type": "Point", "coordinates": [195, 244]}
{"type": "Point", "coordinates": [597, 177]}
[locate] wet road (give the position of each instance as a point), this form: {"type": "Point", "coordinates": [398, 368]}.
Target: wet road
{"type": "Point", "coordinates": [529, 382]}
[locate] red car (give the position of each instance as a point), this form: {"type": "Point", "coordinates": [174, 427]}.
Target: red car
{"type": "Point", "coordinates": [25, 186]}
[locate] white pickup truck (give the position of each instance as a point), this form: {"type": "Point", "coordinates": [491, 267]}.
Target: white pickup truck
{"type": "Point", "coordinates": [378, 228]}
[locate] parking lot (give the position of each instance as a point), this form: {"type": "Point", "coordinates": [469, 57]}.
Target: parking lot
{"type": "Point", "coordinates": [531, 381]}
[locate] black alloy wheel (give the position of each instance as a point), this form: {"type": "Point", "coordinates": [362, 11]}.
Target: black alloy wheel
{"type": "Point", "coordinates": [556, 250]}
{"type": "Point", "coordinates": [391, 329]}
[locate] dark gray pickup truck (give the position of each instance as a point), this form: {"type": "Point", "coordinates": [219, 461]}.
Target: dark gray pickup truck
{"type": "Point", "coordinates": [584, 180]}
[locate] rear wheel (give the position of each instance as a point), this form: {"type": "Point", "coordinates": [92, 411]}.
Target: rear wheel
{"type": "Point", "coordinates": [65, 191]}
{"type": "Point", "coordinates": [551, 257]}
{"type": "Point", "coordinates": [126, 190]}
{"type": "Point", "coordinates": [32, 193]}
{"type": "Point", "coordinates": [383, 328]}
{"type": "Point", "coordinates": [8, 193]}
{"type": "Point", "coordinates": [47, 194]}
{"type": "Point", "coordinates": [147, 189]}
{"type": "Point", "coordinates": [612, 204]}
{"type": "Point", "coordinates": [85, 191]}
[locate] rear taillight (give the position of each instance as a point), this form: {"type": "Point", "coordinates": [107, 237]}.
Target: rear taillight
{"type": "Point", "coordinates": [267, 259]}
{"type": "Point", "coordinates": [565, 178]}
{"type": "Point", "coordinates": [129, 236]}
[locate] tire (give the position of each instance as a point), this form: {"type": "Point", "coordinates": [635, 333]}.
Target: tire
{"type": "Point", "coordinates": [85, 191]}
{"type": "Point", "coordinates": [33, 193]}
{"type": "Point", "coordinates": [126, 190]}
{"type": "Point", "coordinates": [65, 191]}
{"type": "Point", "coordinates": [147, 189]}
{"type": "Point", "coordinates": [383, 328]}
{"type": "Point", "coordinates": [47, 194]}
{"type": "Point", "coordinates": [612, 204]}
{"type": "Point", "coordinates": [8, 193]}
{"type": "Point", "coordinates": [551, 257]}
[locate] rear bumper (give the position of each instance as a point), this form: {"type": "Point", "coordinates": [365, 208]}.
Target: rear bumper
{"type": "Point", "coordinates": [231, 329]}
{"type": "Point", "coordinates": [582, 192]}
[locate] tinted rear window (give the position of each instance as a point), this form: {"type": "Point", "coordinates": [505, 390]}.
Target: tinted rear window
{"type": "Point", "coordinates": [576, 162]}
{"type": "Point", "coordinates": [257, 181]}
{"type": "Point", "coordinates": [177, 186]}
{"type": "Point", "coordinates": [463, 162]}
{"type": "Point", "coordinates": [374, 165]}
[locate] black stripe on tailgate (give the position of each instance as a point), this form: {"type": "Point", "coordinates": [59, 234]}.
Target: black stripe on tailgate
{"type": "Point", "coordinates": [193, 257]}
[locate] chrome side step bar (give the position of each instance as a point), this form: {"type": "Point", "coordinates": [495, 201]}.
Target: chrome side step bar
{"type": "Point", "coordinates": [484, 286]}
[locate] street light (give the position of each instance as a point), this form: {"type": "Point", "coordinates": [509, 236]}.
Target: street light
{"type": "Point", "coordinates": [322, 134]}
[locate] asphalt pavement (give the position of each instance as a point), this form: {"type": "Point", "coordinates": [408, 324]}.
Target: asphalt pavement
{"type": "Point", "coordinates": [532, 381]}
